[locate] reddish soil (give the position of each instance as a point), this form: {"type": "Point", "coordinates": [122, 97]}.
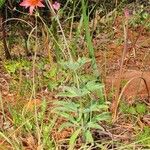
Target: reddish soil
{"type": "Point", "coordinates": [136, 62]}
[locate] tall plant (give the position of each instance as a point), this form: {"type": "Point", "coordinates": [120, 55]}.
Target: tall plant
{"type": "Point", "coordinates": [88, 35]}
{"type": "Point", "coordinates": [81, 111]}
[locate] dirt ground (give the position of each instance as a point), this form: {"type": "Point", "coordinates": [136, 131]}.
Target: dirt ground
{"type": "Point", "coordinates": [136, 63]}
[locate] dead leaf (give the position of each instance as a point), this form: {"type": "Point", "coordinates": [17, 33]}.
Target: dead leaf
{"type": "Point", "coordinates": [32, 104]}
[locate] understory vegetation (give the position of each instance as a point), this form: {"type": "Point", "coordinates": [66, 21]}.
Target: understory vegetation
{"type": "Point", "coordinates": [74, 75]}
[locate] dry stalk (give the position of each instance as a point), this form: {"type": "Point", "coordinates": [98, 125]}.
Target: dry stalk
{"type": "Point", "coordinates": [115, 103]}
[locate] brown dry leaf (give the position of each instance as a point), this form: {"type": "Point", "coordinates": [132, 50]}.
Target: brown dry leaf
{"type": "Point", "coordinates": [4, 145]}
{"type": "Point", "coordinates": [32, 104]}
{"type": "Point", "coordinates": [63, 134]}
{"type": "Point", "coordinates": [141, 124]}
{"type": "Point", "coordinates": [40, 147]}
{"type": "Point", "coordinates": [146, 119]}
{"type": "Point", "coordinates": [29, 142]}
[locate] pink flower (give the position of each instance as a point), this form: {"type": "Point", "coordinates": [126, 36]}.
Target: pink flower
{"type": "Point", "coordinates": [32, 4]}
{"type": "Point", "coordinates": [126, 13]}
{"type": "Point", "coordinates": [56, 5]}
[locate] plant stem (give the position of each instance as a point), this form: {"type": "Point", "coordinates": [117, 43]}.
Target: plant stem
{"type": "Point", "coordinates": [3, 29]}
{"type": "Point", "coordinates": [63, 34]}
{"type": "Point", "coordinates": [116, 100]}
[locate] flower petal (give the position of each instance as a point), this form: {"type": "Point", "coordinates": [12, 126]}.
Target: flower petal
{"type": "Point", "coordinates": [32, 4]}
{"type": "Point", "coordinates": [39, 4]}
{"type": "Point", "coordinates": [56, 6]}
{"type": "Point", "coordinates": [25, 4]}
{"type": "Point", "coordinates": [31, 9]}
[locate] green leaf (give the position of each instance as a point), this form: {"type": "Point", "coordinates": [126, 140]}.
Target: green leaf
{"type": "Point", "coordinates": [88, 136]}
{"type": "Point", "coordinates": [12, 67]}
{"type": "Point", "coordinates": [75, 65]}
{"type": "Point", "coordinates": [141, 108]}
{"type": "Point", "coordinates": [51, 73]}
{"type": "Point", "coordinates": [80, 115]}
{"type": "Point", "coordinates": [96, 107]}
{"type": "Point", "coordinates": [94, 85]}
{"type": "Point", "coordinates": [52, 85]}
{"type": "Point", "coordinates": [67, 106]}
{"type": "Point", "coordinates": [105, 116]}
{"type": "Point", "coordinates": [44, 106]}
{"type": "Point", "coordinates": [73, 92]}
{"type": "Point", "coordinates": [67, 116]}
{"type": "Point", "coordinates": [62, 109]}
{"type": "Point", "coordinates": [94, 126]}
{"type": "Point", "coordinates": [132, 110]}
{"type": "Point", "coordinates": [2, 3]}
{"type": "Point", "coordinates": [73, 139]}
